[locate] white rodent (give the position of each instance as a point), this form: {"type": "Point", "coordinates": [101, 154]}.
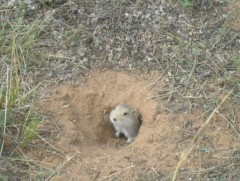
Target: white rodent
{"type": "Point", "coordinates": [126, 120]}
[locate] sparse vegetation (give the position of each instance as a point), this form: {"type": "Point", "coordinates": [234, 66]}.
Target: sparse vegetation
{"type": "Point", "coordinates": [186, 3]}
{"type": "Point", "coordinates": [18, 123]}
{"type": "Point", "coordinates": [195, 50]}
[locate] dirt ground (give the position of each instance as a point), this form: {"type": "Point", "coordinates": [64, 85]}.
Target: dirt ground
{"type": "Point", "coordinates": [84, 138]}
{"type": "Point", "coordinates": [92, 153]}
{"type": "Point", "coordinates": [173, 64]}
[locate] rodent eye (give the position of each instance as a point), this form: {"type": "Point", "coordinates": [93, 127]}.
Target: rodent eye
{"type": "Point", "coordinates": [125, 113]}
{"type": "Point", "coordinates": [114, 119]}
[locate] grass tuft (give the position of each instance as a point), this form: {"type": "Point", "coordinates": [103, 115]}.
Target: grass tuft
{"type": "Point", "coordinates": [29, 131]}
{"type": "Point", "coordinates": [19, 125]}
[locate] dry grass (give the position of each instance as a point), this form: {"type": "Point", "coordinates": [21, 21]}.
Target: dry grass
{"type": "Point", "coordinates": [19, 123]}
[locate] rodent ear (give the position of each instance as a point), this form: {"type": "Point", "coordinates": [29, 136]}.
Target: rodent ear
{"type": "Point", "coordinates": [134, 112]}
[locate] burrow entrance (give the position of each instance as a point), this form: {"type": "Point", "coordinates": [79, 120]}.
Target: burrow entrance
{"type": "Point", "coordinates": [83, 111]}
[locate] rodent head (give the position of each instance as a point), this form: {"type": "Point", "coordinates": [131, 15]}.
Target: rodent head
{"type": "Point", "coordinates": [121, 112]}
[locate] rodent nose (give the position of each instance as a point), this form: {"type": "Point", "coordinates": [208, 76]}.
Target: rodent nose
{"type": "Point", "coordinates": [114, 119]}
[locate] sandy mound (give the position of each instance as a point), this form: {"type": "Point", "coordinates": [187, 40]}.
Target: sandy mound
{"type": "Point", "coordinates": [85, 109]}
{"type": "Point", "coordinates": [82, 112]}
